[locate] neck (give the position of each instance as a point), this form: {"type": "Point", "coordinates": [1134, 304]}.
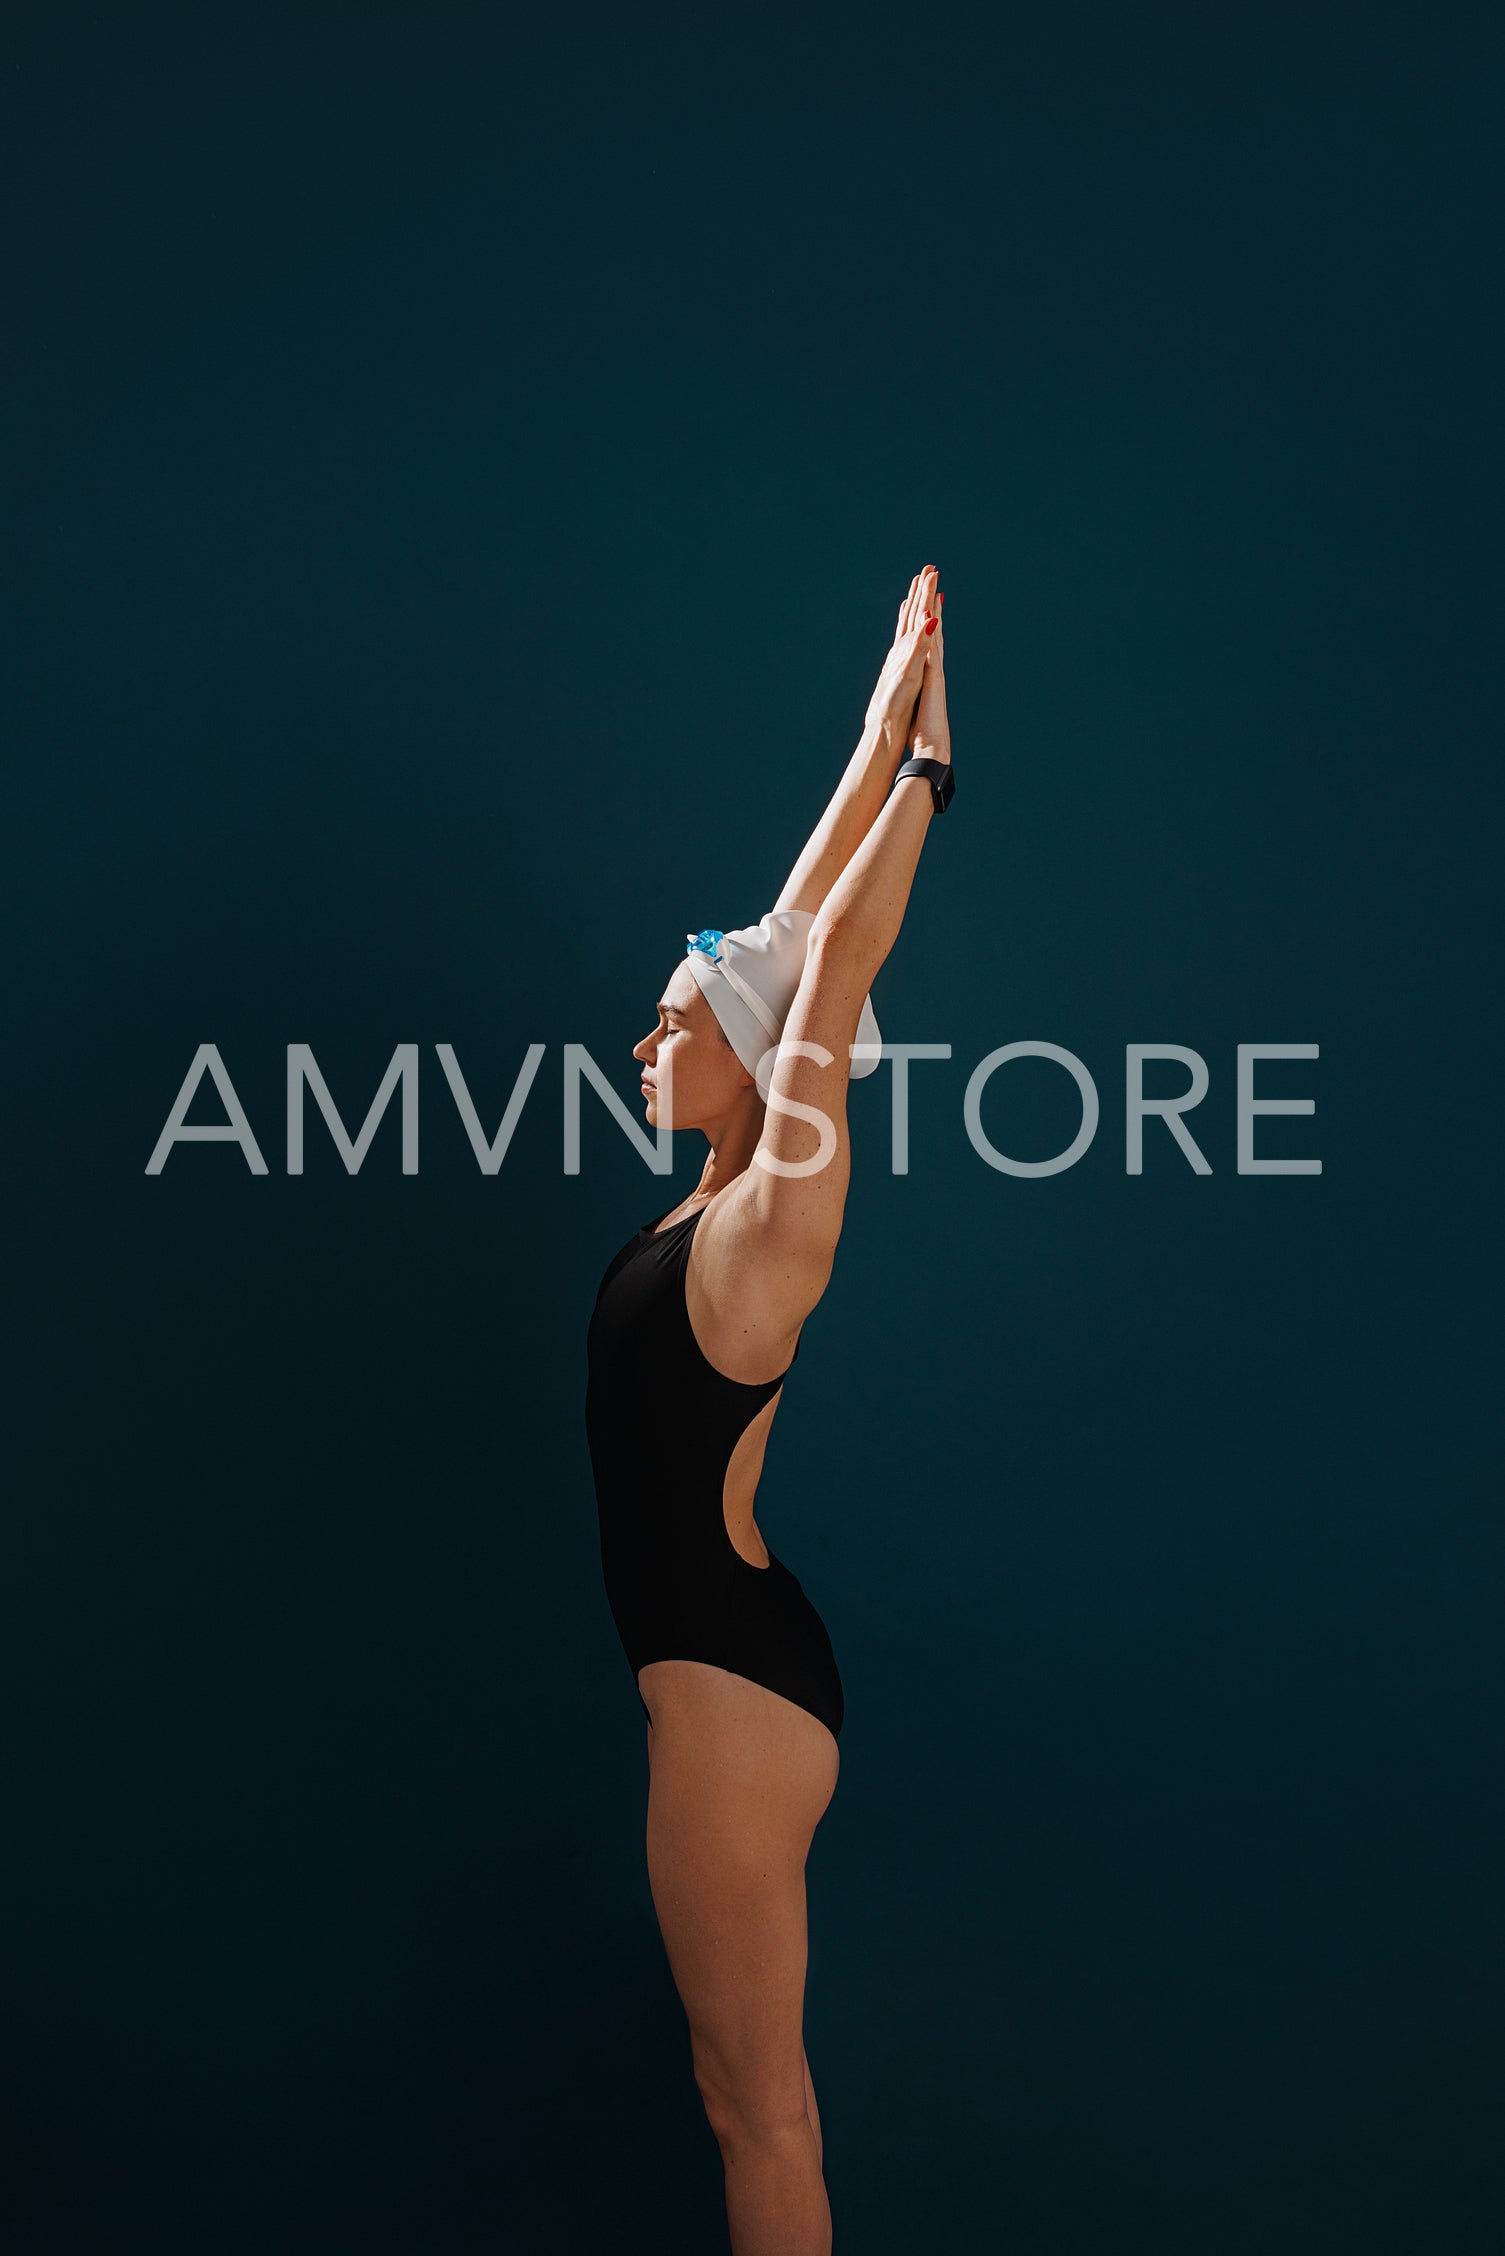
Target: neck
{"type": "Point", "coordinates": [733, 1142]}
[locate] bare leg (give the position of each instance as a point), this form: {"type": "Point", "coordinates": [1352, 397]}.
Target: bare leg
{"type": "Point", "coordinates": [810, 2107]}
{"type": "Point", "coordinates": [738, 1781]}
{"type": "Point", "coordinates": [814, 2114]}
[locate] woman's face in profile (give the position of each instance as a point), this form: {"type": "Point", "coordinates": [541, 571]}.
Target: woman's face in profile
{"type": "Point", "coordinates": [691, 1074]}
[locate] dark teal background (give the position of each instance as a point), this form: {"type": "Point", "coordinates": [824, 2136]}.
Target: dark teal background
{"type": "Point", "coordinates": [463, 466]}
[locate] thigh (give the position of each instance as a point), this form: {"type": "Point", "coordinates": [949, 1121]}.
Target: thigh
{"type": "Point", "coordinates": [738, 1781]}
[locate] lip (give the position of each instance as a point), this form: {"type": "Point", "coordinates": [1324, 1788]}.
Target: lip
{"type": "Point", "coordinates": [646, 1086]}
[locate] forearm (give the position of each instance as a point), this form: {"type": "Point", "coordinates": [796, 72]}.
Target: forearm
{"type": "Point", "coordinates": [854, 807]}
{"type": "Point", "coordinates": [864, 909]}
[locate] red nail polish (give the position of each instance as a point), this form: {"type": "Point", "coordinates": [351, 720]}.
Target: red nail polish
{"type": "Point", "coordinates": [932, 626]}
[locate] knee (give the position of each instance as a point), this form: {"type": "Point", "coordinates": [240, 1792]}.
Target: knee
{"type": "Point", "coordinates": [749, 2108]}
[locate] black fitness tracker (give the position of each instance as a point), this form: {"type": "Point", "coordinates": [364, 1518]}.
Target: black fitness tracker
{"type": "Point", "coordinates": [942, 781]}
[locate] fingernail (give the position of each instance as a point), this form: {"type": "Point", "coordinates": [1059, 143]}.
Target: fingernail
{"type": "Point", "coordinates": [932, 626]}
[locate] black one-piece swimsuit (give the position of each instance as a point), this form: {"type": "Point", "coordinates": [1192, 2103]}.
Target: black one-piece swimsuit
{"type": "Point", "coordinates": [678, 1587]}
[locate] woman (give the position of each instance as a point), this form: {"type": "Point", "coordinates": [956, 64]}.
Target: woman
{"type": "Point", "coordinates": [696, 1323]}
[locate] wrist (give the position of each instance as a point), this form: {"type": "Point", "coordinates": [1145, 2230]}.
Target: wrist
{"type": "Point", "coordinates": [888, 729]}
{"type": "Point", "coordinates": [925, 767]}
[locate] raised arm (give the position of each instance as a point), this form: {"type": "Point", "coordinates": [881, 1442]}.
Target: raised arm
{"type": "Point", "coordinates": [797, 1182]}
{"type": "Point", "coordinates": [869, 773]}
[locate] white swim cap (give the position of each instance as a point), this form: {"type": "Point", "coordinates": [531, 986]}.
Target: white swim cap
{"type": "Point", "coordinates": [750, 979]}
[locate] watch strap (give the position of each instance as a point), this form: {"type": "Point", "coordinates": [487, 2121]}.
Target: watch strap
{"type": "Point", "coordinates": [938, 775]}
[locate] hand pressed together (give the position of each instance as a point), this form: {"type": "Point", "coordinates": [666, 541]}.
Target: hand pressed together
{"type": "Point", "coordinates": [909, 702]}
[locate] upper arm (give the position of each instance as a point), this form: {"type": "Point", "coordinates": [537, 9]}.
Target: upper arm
{"type": "Point", "coordinates": [773, 1247]}
{"type": "Point", "coordinates": [797, 1180]}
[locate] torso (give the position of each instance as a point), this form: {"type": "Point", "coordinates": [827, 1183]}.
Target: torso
{"type": "Point", "coordinates": [726, 1354]}
{"type": "Point", "coordinates": [677, 1439]}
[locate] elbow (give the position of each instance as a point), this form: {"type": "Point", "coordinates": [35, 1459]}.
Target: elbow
{"type": "Point", "coordinates": [846, 943]}
{"type": "Point", "coordinates": [832, 929]}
